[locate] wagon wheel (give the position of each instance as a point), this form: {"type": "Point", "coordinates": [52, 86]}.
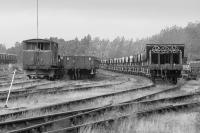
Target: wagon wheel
{"type": "Point", "coordinates": [29, 76]}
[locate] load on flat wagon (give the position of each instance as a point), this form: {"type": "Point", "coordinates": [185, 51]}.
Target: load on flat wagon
{"type": "Point", "coordinates": [41, 59]}
{"type": "Point", "coordinates": [165, 60]}
{"type": "Point", "coordinates": [191, 70]}
{"type": "Point", "coordinates": [157, 61]}
{"type": "Point", "coordinates": [80, 66]}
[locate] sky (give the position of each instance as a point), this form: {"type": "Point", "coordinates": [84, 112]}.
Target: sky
{"type": "Point", "coordinates": [106, 19]}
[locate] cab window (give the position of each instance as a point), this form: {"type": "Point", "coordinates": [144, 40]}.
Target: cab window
{"type": "Point", "coordinates": [30, 46]}
{"type": "Point", "coordinates": [44, 46]}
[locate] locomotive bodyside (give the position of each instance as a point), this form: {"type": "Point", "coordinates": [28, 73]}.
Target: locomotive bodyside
{"type": "Point", "coordinates": [40, 58]}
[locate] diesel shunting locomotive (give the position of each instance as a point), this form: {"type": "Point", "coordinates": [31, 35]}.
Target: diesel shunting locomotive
{"type": "Point", "coordinates": [41, 60]}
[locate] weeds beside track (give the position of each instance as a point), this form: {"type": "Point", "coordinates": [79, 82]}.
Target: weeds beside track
{"type": "Point", "coordinates": [94, 111]}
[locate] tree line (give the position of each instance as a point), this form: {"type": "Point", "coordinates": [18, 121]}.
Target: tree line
{"type": "Point", "coordinates": [120, 46]}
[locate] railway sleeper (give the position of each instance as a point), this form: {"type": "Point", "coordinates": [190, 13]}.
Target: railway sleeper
{"type": "Point", "coordinates": [74, 121]}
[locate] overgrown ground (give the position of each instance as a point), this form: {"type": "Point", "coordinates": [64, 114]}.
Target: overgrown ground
{"type": "Point", "coordinates": [176, 122]}
{"type": "Point", "coordinates": [47, 99]}
{"type": "Point", "coordinates": [167, 123]}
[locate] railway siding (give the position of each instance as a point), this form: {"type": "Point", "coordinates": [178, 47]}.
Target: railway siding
{"type": "Point", "coordinates": [111, 121]}
{"type": "Point", "coordinates": [58, 106]}
{"type": "Point", "coordinates": [79, 119]}
{"type": "Point", "coordinates": [71, 117]}
{"type": "Point", "coordinates": [122, 106]}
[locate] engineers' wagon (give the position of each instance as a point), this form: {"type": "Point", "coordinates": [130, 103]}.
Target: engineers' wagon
{"type": "Point", "coordinates": [80, 66]}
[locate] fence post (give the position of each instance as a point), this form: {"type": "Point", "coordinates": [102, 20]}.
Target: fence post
{"type": "Point", "coordinates": [6, 105]}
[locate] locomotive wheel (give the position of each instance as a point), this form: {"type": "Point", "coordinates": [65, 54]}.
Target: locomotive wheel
{"type": "Point", "coordinates": [174, 80]}
{"type": "Point", "coordinates": [70, 76]}
{"type": "Point", "coordinates": [51, 78]}
{"type": "Point", "coordinates": [153, 79]}
{"type": "Point", "coordinates": [46, 77]}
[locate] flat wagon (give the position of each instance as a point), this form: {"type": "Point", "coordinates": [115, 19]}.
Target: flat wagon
{"type": "Point", "coordinates": [157, 61]}
{"type": "Point", "coordinates": [165, 60]}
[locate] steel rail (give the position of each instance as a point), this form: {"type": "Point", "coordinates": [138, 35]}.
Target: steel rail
{"type": "Point", "coordinates": [122, 105]}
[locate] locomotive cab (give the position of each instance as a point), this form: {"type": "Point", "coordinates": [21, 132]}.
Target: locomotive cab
{"type": "Point", "coordinates": [40, 58]}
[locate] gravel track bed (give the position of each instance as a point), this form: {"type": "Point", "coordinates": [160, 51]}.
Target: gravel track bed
{"type": "Point", "coordinates": [42, 100]}
{"type": "Point", "coordinates": [48, 99]}
{"type": "Point", "coordinates": [118, 112]}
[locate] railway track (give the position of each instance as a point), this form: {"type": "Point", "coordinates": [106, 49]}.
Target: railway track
{"type": "Point", "coordinates": [50, 90]}
{"type": "Point", "coordinates": [19, 83]}
{"type": "Point", "coordinates": [4, 74]}
{"type": "Point", "coordinates": [7, 80]}
{"type": "Point", "coordinates": [59, 105]}
{"type": "Point", "coordinates": [31, 90]}
{"type": "Point", "coordinates": [70, 121]}
{"type": "Point", "coordinates": [32, 121]}
{"type": "Point", "coordinates": [8, 75]}
{"type": "Point", "coordinates": [3, 78]}
{"type": "Point", "coordinates": [3, 92]}
{"type": "Point", "coordinates": [111, 121]}
{"type": "Point", "coordinates": [22, 91]}
{"type": "Point", "coordinates": [73, 123]}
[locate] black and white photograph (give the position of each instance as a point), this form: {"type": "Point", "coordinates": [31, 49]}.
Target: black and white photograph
{"type": "Point", "coordinates": [99, 66]}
